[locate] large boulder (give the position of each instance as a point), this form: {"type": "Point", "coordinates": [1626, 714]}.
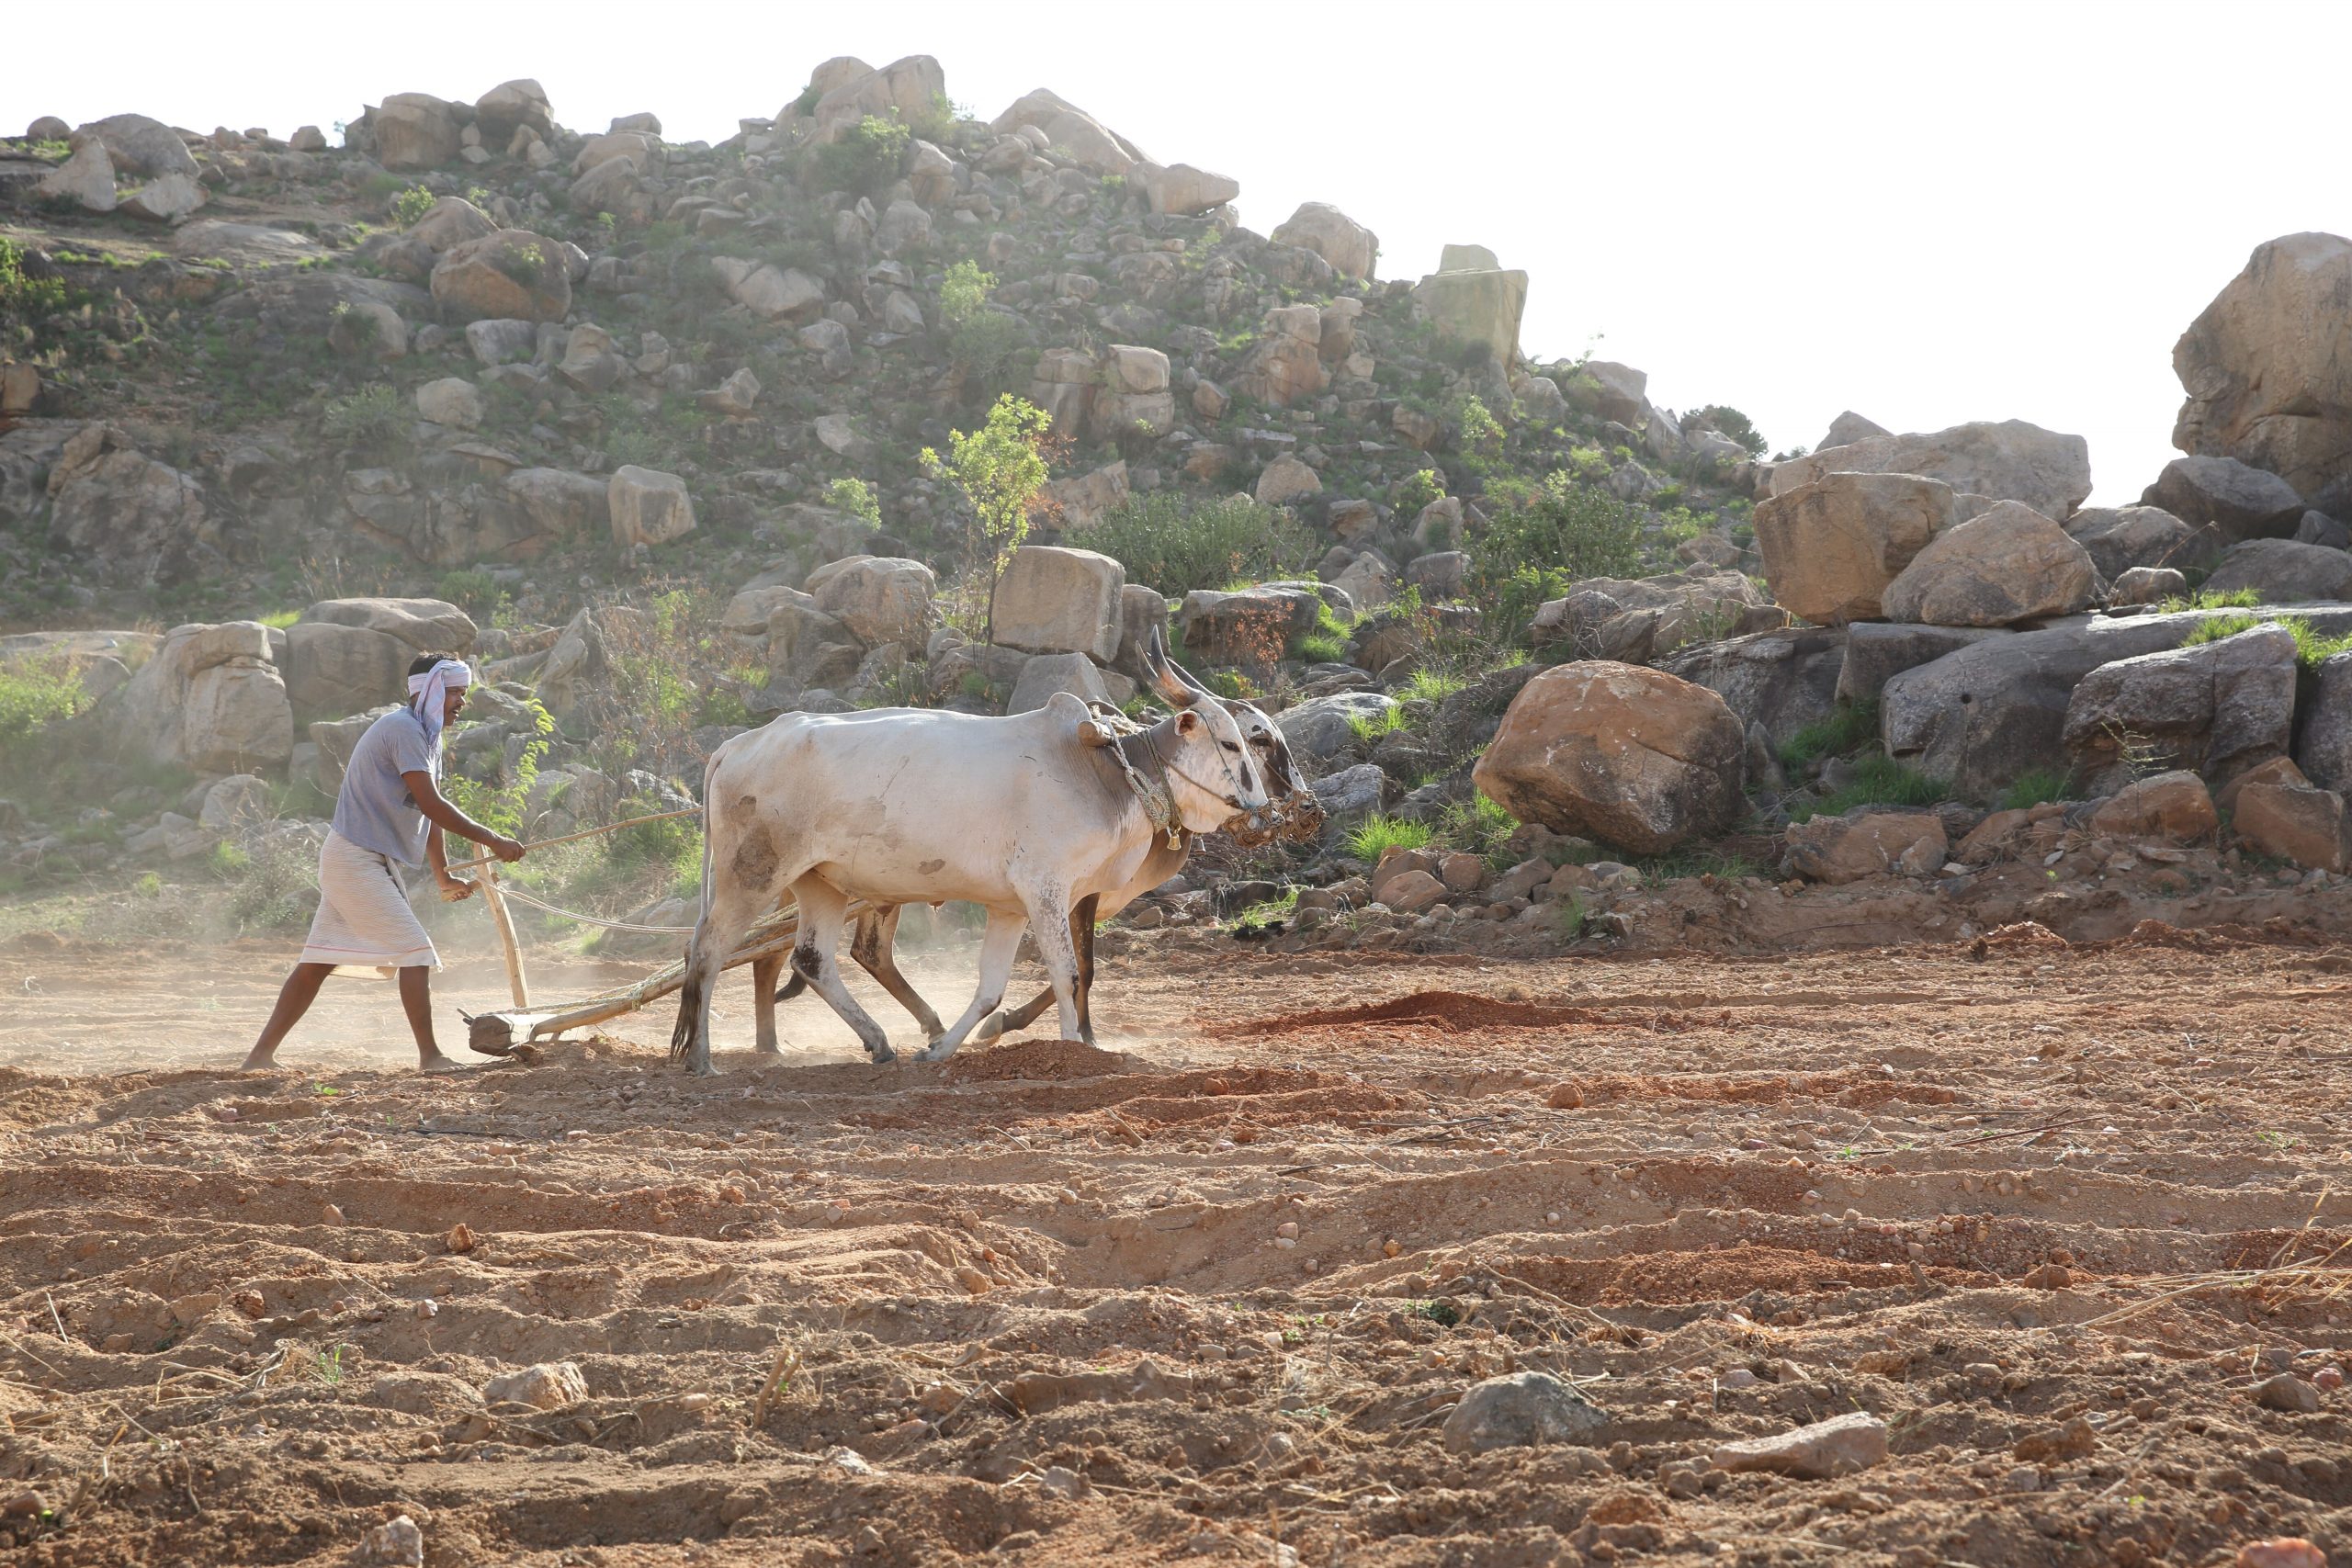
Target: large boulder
{"type": "Point", "coordinates": [513, 273]}
{"type": "Point", "coordinates": [2003, 566]}
{"type": "Point", "coordinates": [1286, 364]}
{"type": "Point", "coordinates": [1984, 714]}
{"type": "Point", "coordinates": [2295, 823]}
{"type": "Point", "coordinates": [1636, 619]}
{"type": "Point", "coordinates": [647, 507]}
{"type": "Point", "coordinates": [208, 700]}
{"type": "Point", "coordinates": [138, 145]}
{"type": "Point", "coordinates": [2281, 571]}
{"type": "Point", "coordinates": [1095, 146]}
{"type": "Point", "coordinates": [1631, 756]}
{"type": "Point", "coordinates": [1056, 600]}
{"type": "Point", "coordinates": [1351, 248]}
{"type": "Point", "coordinates": [1866, 841]}
{"type": "Point", "coordinates": [2264, 366]}
{"type": "Point", "coordinates": [543, 507]}
{"type": "Point", "coordinates": [2324, 724]}
{"type": "Point", "coordinates": [1183, 189]}
{"type": "Point", "coordinates": [1877, 652]}
{"type": "Point", "coordinates": [347, 654]}
{"type": "Point", "coordinates": [2218, 708]}
{"type": "Point", "coordinates": [1324, 728]}
{"type": "Point", "coordinates": [1255, 626]}
{"type": "Point", "coordinates": [2232, 499]}
{"type": "Point", "coordinates": [1048, 673]}
{"type": "Point", "coordinates": [2175, 806]}
{"type": "Point", "coordinates": [2118, 538]}
{"type": "Point", "coordinates": [1477, 308]}
{"type": "Point", "coordinates": [1287, 479]}
{"type": "Point", "coordinates": [86, 178]}
{"type": "Point", "coordinates": [450, 222]}
{"type": "Point", "coordinates": [1782, 679]}
{"type": "Point", "coordinates": [416, 130]}
{"type": "Point", "coordinates": [772, 294]}
{"type": "Point", "coordinates": [1832, 546]}
{"type": "Point", "coordinates": [880, 598]}
{"type": "Point", "coordinates": [510, 104]}
{"type": "Point", "coordinates": [911, 87]}
{"type": "Point", "coordinates": [135, 521]}
{"type": "Point", "coordinates": [2009, 461]}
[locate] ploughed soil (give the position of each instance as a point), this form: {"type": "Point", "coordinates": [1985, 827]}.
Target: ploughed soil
{"type": "Point", "coordinates": [1209, 1292]}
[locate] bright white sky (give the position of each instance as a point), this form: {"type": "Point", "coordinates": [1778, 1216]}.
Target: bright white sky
{"type": "Point", "coordinates": [1926, 212]}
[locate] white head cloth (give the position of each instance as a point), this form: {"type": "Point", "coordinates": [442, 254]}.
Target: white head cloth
{"type": "Point", "coordinates": [430, 686]}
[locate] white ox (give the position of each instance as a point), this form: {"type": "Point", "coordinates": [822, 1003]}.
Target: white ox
{"type": "Point", "coordinates": [1020, 816]}
{"type": "Point", "coordinates": [1297, 816]}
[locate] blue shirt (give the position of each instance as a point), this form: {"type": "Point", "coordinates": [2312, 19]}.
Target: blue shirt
{"type": "Point", "coordinates": [373, 809]}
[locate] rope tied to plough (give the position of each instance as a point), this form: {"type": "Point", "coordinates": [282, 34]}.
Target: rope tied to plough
{"type": "Point", "coordinates": [584, 833]}
{"type": "Point", "coordinates": [520, 896]}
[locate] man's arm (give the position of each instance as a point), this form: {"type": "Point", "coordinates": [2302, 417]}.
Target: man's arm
{"type": "Point", "coordinates": [437, 859]}
{"type": "Point", "coordinates": [443, 815]}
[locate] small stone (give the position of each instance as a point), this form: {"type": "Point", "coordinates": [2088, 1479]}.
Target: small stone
{"type": "Point", "coordinates": [1390, 1249]}
{"type": "Point", "coordinates": [1287, 1228]}
{"type": "Point", "coordinates": [550, 1385]}
{"type": "Point", "coordinates": [461, 1238]}
{"type": "Point", "coordinates": [2328, 1378]}
{"type": "Point", "coordinates": [1060, 1481]}
{"type": "Point", "coordinates": [2049, 1277]}
{"type": "Point", "coordinates": [2281, 1551]}
{"type": "Point", "coordinates": [1835, 1446]}
{"type": "Point", "coordinates": [25, 1505]}
{"type": "Point", "coordinates": [428, 1309]}
{"type": "Point", "coordinates": [1565, 1097]}
{"type": "Point", "coordinates": [1738, 1377]}
{"type": "Point", "coordinates": [1521, 1410]}
{"type": "Point", "coordinates": [2024, 1478]}
{"type": "Point", "coordinates": [2287, 1391]}
{"type": "Point", "coordinates": [249, 1302]}
{"type": "Point", "coordinates": [973, 1281]}
{"type": "Point", "coordinates": [332, 1214]}
{"type": "Point", "coordinates": [396, 1543]}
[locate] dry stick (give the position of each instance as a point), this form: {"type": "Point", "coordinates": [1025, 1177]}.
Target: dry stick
{"type": "Point", "coordinates": [55, 1319]}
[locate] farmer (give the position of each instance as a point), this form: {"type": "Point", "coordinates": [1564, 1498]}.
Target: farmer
{"type": "Point", "coordinates": [389, 809]}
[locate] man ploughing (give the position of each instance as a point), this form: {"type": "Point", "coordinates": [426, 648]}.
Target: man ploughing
{"type": "Point", "coordinates": [389, 809]}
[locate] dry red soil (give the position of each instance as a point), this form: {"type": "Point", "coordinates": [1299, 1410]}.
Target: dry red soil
{"type": "Point", "coordinates": [2035, 1206]}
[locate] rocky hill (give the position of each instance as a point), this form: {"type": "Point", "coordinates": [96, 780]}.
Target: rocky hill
{"type": "Point", "coordinates": [674, 438]}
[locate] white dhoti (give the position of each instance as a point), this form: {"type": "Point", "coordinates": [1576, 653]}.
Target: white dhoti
{"type": "Point", "coordinates": [363, 919]}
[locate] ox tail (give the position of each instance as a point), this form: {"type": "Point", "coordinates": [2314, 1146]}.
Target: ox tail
{"type": "Point", "coordinates": [692, 983]}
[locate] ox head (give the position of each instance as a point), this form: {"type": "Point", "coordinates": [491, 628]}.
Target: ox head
{"type": "Point", "coordinates": [1215, 772]}
{"type": "Point", "coordinates": [1296, 814]}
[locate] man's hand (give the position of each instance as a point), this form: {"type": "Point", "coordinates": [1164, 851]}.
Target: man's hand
{"type": "Point", "coordinates": [455, 888]}
{"type": "Point", "coordinates": [505, 849]}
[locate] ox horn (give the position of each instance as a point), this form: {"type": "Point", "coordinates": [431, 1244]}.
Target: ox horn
{"type": "Point", "coordinates": [1173, 685]}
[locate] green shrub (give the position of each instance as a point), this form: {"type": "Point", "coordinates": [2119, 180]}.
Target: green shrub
{"type": "Point", "coordinates": [994, 350]}
{"type": "Point", "coordinates": [411, 205]}
{"type": "Point", "coordinates": [1177, 544]}
{"type": "Point", "coordinates": [501, 806]}
{"type": "Point", "coordinates": [2235, 599]}
{"type": "Point", "coordinates": [1476, 431]}
{"type": "Point", "coordinates": [1431, 685]}
{"type": "Point", "coordinates": [1376, 835]}
{"type": "Point", "coordinates": [805, 102]}
{"type": "Point", "coordinates": [1878, 781]}
{"type": "Point", "coordinates": [1369, 727]}
{"type": "Point", "coordinates": [2310, 647]}
{"type": "Point", "coordinates": [856, 498]}
{"type": "Point", "coordinates": [1568, 531]}
{"type": "Point", "coordinates": [1847, 728]}
{"type": "Point", "coordinates": [471, 588]}
{"type": "Point", "coordinates": [866, 160]}
{"type": "Point", "coordinates": [1481, 827]}
{"type": "Point", "coordinates": [374, 417]}
{"type": "Point", "coordinates": [34, 693]}
{"type": "Point", "coordinates": [2032, 787]}
{"type": "Point", "coordinates": [964, 292]}
{"type": "Point", "coordinates": [1729, 422]}
{"type": "Point", "coordinates": [1325, 643]}
{"type": "Point", "coordinates": [27, 296]}
{"type": "Point", "coordinates": [1417, 490]}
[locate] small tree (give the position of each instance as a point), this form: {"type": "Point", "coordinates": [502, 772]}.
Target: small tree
{"type": "Point", "coordinates": [1000, 468]}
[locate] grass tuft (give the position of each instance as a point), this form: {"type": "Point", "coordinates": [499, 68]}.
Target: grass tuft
{"type": "Point", "coordinates": [1847, 728]}
{"type": "Point", "coordinates": [1878, 781]}
{"type": "Point", "coordinates": [1376, 835]}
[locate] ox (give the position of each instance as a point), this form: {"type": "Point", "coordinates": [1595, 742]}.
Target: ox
{"type": "Point", "coordinates": [1020, 816]}
{"type": "Point", "coordinates": [1298, 815]}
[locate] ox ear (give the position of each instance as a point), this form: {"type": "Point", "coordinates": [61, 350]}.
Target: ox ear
{"type": "Point", "coordinates": [1187, 723]}
{"type": "Point", "coordinates": [1166, 679]}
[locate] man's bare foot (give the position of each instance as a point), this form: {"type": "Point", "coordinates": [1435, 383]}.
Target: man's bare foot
{"type": "Point", "coordinates": [437, 1063]}
{"type": "Point", "coordinates": [259, 1062]}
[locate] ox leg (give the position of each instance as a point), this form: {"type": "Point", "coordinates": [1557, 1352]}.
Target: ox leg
{"type": "Point", "coordinates": [1081, 927]}
{"type": "Point", "coordinates": [998, 946]}
{"type": "Point", "coordinates": [723, 924]}
{"type": "Point", "coordinates": [875, 945]}
{"type": "Point", "coordinates": [1049, 917]}
{"type": "Point", "coordinates": [765, 997]}
{"type": "Point", "coordinates": [816, 954]}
